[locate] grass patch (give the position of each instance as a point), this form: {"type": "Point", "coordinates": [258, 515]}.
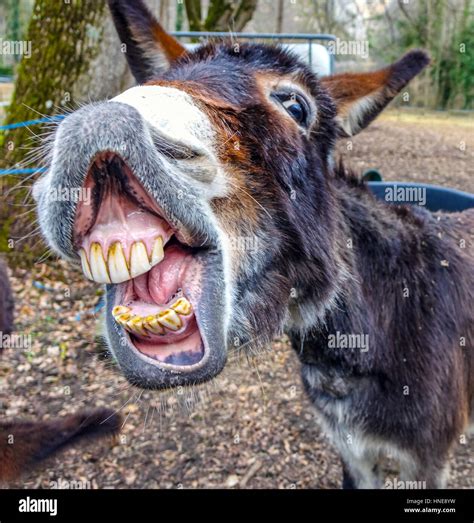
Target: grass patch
{"type": "Point", "coordinates": [426, 117]}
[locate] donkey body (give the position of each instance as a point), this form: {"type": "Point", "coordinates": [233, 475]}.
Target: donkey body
{"type": "Point", "coordinates": [409, 392]}
{"type": "Point", "coordinates": [234, 142]}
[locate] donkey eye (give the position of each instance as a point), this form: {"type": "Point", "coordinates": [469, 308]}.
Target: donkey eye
{"type": "Point", "coordinates": [296, 110]}
{"type": "Point", "coordinates": [295, 106]}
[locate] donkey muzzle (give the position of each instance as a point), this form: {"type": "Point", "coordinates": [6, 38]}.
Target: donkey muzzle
{"type": "Point", "coordinates": [145, 230]}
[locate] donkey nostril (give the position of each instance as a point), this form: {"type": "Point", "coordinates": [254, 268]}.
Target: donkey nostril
{"type": "Point", "coordinates": [175, 151]}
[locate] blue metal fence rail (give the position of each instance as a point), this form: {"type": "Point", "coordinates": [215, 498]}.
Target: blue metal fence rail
{"type": "Point", "coordinates": [27, 123]}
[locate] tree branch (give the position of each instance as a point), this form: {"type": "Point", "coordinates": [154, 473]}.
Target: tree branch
{"type": "Point", "coordinates": [194, 14]}
{"type": "Point", "coordinates": [405, 12]}
{"type": "Point", "coordinates": [229, 14]}
{"type": "Point", "coordinates": [219, 15]}
{"type": "Point", "coordinates": [244, 13]}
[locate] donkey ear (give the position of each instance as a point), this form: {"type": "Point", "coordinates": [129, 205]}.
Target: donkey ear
{"type": "Point", "coordinates": [360, 97]}
{"type": "Point", "coordinates": [149, 48]}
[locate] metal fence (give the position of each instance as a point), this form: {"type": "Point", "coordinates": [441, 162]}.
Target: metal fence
{"type": "Point", "coordinates": [274, 37]}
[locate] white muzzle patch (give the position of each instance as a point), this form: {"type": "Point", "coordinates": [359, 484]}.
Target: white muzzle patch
{"type": "Point", "coordinates": [173, 113]}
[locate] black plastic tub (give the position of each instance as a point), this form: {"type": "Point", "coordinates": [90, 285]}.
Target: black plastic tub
{"type": "Point", "coordinates": [431, 197]}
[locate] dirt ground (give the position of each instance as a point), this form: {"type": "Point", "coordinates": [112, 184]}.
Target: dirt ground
{"type": "Point", "coordinates": [252, 427]}
{"type": "Point", "coordinates": [411, 146]}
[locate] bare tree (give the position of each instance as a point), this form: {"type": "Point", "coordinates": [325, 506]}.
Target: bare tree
{"type": "Point", "coordinates": [334, 16]}
{"type": "Point", "coordinates": [164, 13]}
{"type": "Point", "coordinates": [279, 20]}
{"type": "Point", "coordinates": [222, 15]}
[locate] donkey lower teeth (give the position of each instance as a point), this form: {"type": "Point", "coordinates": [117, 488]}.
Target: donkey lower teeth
{"type": "Point", "coordinates": [113, 267]}
{"type": "Point", "coordinates": [159, 323]}
{"type": "Point", "coordinates": [182, 306]}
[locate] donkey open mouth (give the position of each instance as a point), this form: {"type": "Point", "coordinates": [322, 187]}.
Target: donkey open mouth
{"type": "Point", "coordinates": [124, 239]}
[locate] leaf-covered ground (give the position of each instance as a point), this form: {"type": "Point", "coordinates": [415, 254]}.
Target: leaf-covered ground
{"type": "Point", "coordinates": [253, 426]}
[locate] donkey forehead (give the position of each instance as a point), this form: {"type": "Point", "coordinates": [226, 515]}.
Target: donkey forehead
{"type": "Point", "coordinates": [172, 112]}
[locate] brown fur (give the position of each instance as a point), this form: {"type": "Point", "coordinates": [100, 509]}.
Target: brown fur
{"type": "Point", "coordinates": [172, 48]}
{"type": "Point", "coordinates": [347, 88]}
{"type": "Point", "coordinates": [24, 444]}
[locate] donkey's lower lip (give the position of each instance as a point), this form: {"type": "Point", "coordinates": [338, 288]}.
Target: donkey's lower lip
{"type": "Point", "coordinates": [185, 351]}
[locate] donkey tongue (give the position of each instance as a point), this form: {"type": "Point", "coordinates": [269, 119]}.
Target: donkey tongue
{"type": "Point", "coordinates": [165, 279]}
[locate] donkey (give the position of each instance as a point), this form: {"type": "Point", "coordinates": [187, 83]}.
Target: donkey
{"type": "Point", "coordinates": [218, 219]}
{"type": "Point", "coordinates": [24, 444]}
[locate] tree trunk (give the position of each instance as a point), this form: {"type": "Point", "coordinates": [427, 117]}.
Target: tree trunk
{"type": "Point", "coordinates": [194, 14]}
{"type": "Point", "coordinates": [107, 73]}
{"type": "Point", "coordinates": [222, 15]}
{"type": "Point", "coordinates": [279, 20]}
{"type": "Point", "coordinates": [65, 39]}
{"type": "Point", "coordinates": [163, 15]}
{"type": "Point", "coordinates": [243, 14]}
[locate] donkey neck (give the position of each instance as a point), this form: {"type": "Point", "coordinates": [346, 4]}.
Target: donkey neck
{"type": "Point", "coordinates": [371, 240]}
{"type": "Point", "coordinates": [399, 268]}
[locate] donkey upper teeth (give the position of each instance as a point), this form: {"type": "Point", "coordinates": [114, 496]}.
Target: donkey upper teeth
{"type": "Point", "coordinates": [85, 264]}
{"type": "Point", "coordinates": [113, 268]}
{"type": "Point", "coordinates": [139, 262]}
{"type": "Point", "coordinates": [157, 253]}
{"type": "Point", "coordinates": [97, 264]}
{"type": "Point", "coordinates": [117, 263]}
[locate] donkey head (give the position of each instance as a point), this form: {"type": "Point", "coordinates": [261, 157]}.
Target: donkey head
{"type": "Point", "coordinates": [212, 217]}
